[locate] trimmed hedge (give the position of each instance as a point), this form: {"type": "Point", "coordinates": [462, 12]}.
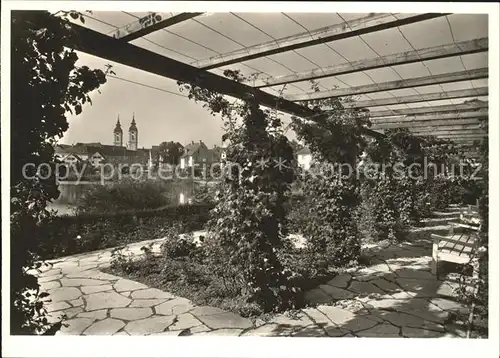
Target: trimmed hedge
{"type": "Point", "coordinates": [68, 235]}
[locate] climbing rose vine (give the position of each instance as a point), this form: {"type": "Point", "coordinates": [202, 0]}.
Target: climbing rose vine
{"type": "Point", "coordinates": [247, 225]}
{"type": "Point", "coordinates": [335, 138]}
{"type": "Point", "coordinates": [46, 84]}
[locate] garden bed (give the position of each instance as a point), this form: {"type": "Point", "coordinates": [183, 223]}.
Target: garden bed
{"type": "Point", "coordinates": [183, 270]}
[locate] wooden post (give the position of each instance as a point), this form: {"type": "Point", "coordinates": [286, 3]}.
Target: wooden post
{"type": "Point", "coordinates": [435, 257]}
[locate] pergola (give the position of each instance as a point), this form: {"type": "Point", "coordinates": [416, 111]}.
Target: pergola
{"type": "Point", "coordinates": [425, 72]}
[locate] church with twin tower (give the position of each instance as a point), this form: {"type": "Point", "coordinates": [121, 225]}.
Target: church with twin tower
{"type": "Point", "coordinates": [133, 135]}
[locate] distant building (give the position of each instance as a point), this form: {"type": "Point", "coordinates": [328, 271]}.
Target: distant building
{"type": "Point", "coordinates": [304, 158]}
{"type": "Point", "coordinates": [197, 154]}
{"type": "Point", "coordinates": [118, 134]}
{"type": "Point", "coordinates": [133, 135]}
{"type": "Point", "coordinates": [97, 154]}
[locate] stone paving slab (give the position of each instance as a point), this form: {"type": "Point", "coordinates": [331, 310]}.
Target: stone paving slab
{"type": "Point", "coordinates": [396, 296]}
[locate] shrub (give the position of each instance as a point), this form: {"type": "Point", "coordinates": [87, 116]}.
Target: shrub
{"type": "Point", "coordinates": [121, 262]}
{"type": "Point", "coordinates": [177, 245]}
{"type": "Point", "coordinates": [330, 227]}
{"type": "Point", "coordinates": [205, 193]}
{"type": "Point", "coordinates": [297, 210]}
{"type": "Point", "coordinates": [121, 196]}
{"type": "Point", "coordinates": [383, 211]}
{"type": "Point", "coordinates": [88, 232]}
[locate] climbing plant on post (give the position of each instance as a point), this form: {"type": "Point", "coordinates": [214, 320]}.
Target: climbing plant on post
{"type": "Point", "coordinates": [247, 225]}
{"type": "Point", "coordinates": [336, 140]}
{"type": "Point", "coordinates": [441, 184]}
{"type": "Point", "coordinates": [481, 298]}
{"type": "Point", "coordinates": [387, 188]}
{"type": "Point", "coordinates": [474, 291]}
{"type": "Point", "coordinates": [45, 85]}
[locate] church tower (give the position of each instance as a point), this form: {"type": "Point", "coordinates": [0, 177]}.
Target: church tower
{"type": "Point", "coordinates": [118, 134]}
{"type": "Point", "coordinates": [133, 139]}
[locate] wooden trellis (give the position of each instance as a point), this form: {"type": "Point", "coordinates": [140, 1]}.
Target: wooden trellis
{"type": "Point", "coordinates": [458, 121]}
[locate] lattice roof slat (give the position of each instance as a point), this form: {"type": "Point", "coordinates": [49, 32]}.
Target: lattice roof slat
{"type": "Point", "coordinates": [421, 65]}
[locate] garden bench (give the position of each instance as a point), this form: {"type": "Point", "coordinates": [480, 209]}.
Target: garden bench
{"type": "Point", "coordinates": [471, 215]}
{"type": "Point", "coordinates": [456, 247]}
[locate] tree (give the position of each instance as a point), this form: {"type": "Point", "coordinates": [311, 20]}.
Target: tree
{"type": "Point", "coordinates": [45, 85]}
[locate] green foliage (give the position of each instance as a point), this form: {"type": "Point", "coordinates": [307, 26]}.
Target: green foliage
{"type": "Point", "coordinates": [479, 299]}
{"type": "Point", "coordinates": [333, 238]}
{"type": "Point", "coordinates": [443, 183]}
{"type": "Point", "coordinates": [247, 226]}
{"type": "Point", "coordinates": [296, 145]}
{"type": "Point", "coordinates": [46, 84]}
{"type": "Point", "coordinates": [249, 219]}
{"type": "Point", "coordinates": [297, 211]}
{"type": "Point", "coordinates": [177, 245]}
{"type": "Point", "coordinates": [69, 235]}
{"type": "Point", "coordinates": [331, 187]}
{"type": "Point", "coordinates": [205, 193]}
{"type": "Point", "coordinates": [121, 261]}
{"type": "Point", "coordinates": [386, 187]}
{"type": "Point", "coordinates": [186, 276]}
{"type": "Point", "coordinates": [128, 195]}
{"type": "Point", "coordinates": [413, 177]}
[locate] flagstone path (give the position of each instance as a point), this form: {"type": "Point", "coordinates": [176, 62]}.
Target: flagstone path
{"type": "Point", "coordinates": [394, 296]}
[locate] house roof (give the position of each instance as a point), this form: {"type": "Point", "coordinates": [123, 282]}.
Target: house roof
{"type": "Point", "coordinates": [191, 148]}
{"type": "Point", "coordinates": [104, 150]}
{"type": "Point", "coordinates": [74, 155]}
{"type": "Point", "coordinates": [219, 150]}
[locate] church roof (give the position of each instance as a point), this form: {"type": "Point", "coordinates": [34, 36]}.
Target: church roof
{"type": "Point", "coordinates": [133, 126]}
{"type": "Point", "coordinates": [118, 127]}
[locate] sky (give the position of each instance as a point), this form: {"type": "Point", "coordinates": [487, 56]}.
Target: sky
{"type": "Point", "coordinates": [160, 116]}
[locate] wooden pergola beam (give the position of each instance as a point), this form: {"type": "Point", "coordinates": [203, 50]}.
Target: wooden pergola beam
{"type": "Point", "coordinates": [429, 127]}
{"type": "Point", "coordinates": [432, 109]}
{"type": "Point", "coordinates": [458, 132]}
{"type": "Point", "coordinates": [431, 117]}
{"type": "Point", "coordinates": [466, 143]}
{"type": "Point", "coordinates": [443, 133]}
{"type": "Point", "coordinates": [463, 136]}
{"type": "Point", "coordinates": [482, 91]}
{"type": "Point", "coordinates": [150, 23]}
{"type": "Point", "coordinates": [419, 132]}
{"type": "Point", "coordinates": [432, 53]}
{"type": "Point", "coordinates": [392, 85]}
{"type": "Point", "coordinates": [368, 24]}
{"type": "Point", "coordinates": [435, 123]}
